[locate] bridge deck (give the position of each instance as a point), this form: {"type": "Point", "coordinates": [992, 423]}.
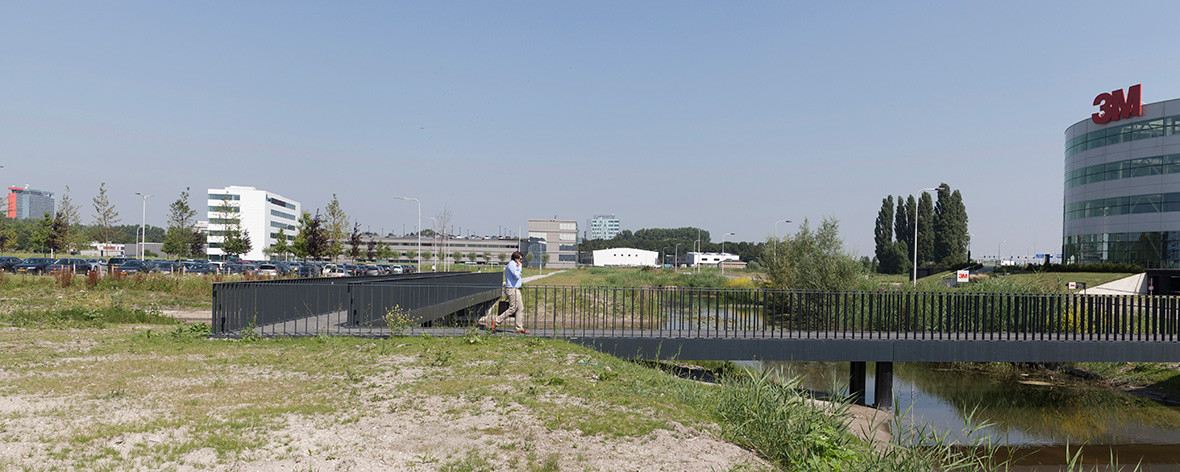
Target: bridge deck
{"type": "Point", "coordinates": [797, 345]}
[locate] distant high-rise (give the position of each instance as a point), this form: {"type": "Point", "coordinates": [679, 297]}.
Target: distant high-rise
{"type": "Point", "coordinates": [24, 202]}
{"type": "Point", "coordinates": [602, 227]}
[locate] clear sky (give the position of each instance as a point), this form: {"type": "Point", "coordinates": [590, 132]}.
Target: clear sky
{"type": "Point", "coordinates": [723, 115]}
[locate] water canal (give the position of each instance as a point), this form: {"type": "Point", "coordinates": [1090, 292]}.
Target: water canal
{"type": "Point", "coordinates": [1038, 416]}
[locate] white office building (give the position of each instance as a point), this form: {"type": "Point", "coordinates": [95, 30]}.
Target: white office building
{"type": "Point", "coordinates": [602, 227]}
{"type": "Point", "coordinates": [257, 213]}
{"type": "Point", "coordinates": [710, 258]}
{"type": "Point", "coordinates": [625, 257]}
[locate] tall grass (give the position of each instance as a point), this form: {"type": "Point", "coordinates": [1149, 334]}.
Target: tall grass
{"type": "Point", "coordinates": [79, 317]}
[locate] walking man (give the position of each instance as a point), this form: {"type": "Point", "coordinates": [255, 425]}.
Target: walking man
{"type": "Point", "coordinates": [512, 284]}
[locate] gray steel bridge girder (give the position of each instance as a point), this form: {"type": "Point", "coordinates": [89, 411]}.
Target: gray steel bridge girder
{"type": "Point", "coordinates": [885, 350]}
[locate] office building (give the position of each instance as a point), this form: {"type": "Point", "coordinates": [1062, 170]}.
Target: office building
{"type": "Point", "coordinates": [1122, 183]}
{"type": "Point", "coordinates": [558, 239]}
{"type": "Point", "coordinates": [24, 202]}
{"type": "Point", "coordinates": [602, 227]}
{"type": "Point", "coordinates": [257, 213]}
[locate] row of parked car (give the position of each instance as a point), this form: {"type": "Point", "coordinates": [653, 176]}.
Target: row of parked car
{"type": "Point", "coordinates": [127, 265]}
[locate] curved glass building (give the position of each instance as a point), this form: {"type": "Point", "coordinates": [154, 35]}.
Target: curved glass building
{"type": "Point", "coordinates": [1122, 188]}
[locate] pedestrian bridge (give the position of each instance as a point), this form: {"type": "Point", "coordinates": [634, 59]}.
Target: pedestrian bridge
{"type": "Point", "coordinates": [721, 324]}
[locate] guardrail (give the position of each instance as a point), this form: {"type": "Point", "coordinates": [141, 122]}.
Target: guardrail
{"type": "Point", "coordinates": [319, 305]}
{"type": "Point", "coordinates": [563, 311]}
{"type": "Point", "coordinates": [359, 305]}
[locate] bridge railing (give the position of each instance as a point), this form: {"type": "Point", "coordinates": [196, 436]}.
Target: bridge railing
{"type": "Point", "coordinates": [324, 305]}
{"type": "Point", "coordinates": [719, 313]}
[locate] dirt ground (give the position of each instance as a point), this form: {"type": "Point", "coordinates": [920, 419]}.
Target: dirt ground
{"type": "Point", "coordinates": [190, 315]}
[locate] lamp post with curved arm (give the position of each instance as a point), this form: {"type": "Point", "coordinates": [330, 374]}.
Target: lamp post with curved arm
{"type": "Point", "coordinates": [419, 228]}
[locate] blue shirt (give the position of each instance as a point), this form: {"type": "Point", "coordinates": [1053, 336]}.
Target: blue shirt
{"type": "Point", "coordinates": [512, 275]}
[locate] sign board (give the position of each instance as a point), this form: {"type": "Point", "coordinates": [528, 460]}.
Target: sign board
{"type": "Point", "coordinates": [1073, 285]}
{"type": "Point", "coordinates": [962, 276]}
{"type": "Point", "coordinates": [1115, 105]}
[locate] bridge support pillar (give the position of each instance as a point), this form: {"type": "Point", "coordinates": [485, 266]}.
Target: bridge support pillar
{"type": "Point", "coordinates": [856, 382]}
{"type": "Point", "coordinates": [883, 386]}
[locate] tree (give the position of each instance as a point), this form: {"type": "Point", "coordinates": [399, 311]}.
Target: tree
{"type": "Point", "coordinates": [312, 239]}
{"type": "Point", "coordinates": [58, 238]}
{"type": "Point", "coordinates": [235, 241]}
{"type": "Point", "coordinates": [502, 257]}
{"type": "Point", "coordinates": [354, 242]}
{"type": "Point", "coordinates": [903, 227]}
{"type": "Point", "coordinates": [280, 248]}
{"type": "Point", "coordinates": [39, 236]}
{"type": "Point", "coordinates": [814, 260]}
{"type": "Point", "coordinates": [181, 219]}
{"type": "Point", "coordinates": [528, 259]}
{"type": "Point", "coordinates": [950, 227]}
{"type": "Point", "coordinates": [105, 215]}
{"type": "Point", "coordinates": [336, 225]}
{"type": "Point", "coordinates": [371, 249]}
{"type": "Point", "coordinates": [457, 256]}
{"type": "Point", "coordinates": [487, 256]}
{"type": "Point", "coordinates": [472, 256]}
{"type": "Point", "coordinates": [544, 260]}
{"type": "Point", "coordinates": [883, 231]}
{"type": "Point", "coordinates": [73, 218]}
{"type": "Point", "coordinates": [196, 242]}
{"type": "Point", "coordinates": [925, 229]}
{"type": "Point", "coordinates": [893, 259]}
{"type": "Point", "coordinates": [412, 254]}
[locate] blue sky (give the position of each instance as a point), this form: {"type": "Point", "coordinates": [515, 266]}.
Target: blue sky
{"type": "Point", "coordinates": [723, 115]}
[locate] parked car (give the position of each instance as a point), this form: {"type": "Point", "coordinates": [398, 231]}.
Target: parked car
{"type": "Point", "coordinates": [270, 270]}
{"type": "Point", "coordinates": [336, 272]}
{"type": "Point", "coordinates": [134, 266]}
{"type": "Point", "coordinates": [32, 265]}
{"type": "Point", "coordinates": [370, 269]}
{"type": "Point", "coordinates": [75, 265]}
{"type": "Point", "coordinates": [97, 263]}
{"type": "Point", "coordinates": [118, 261]}
{"type": "Point", "coordinates": [198, 268]}
{"type": "Point", "coordinates": [166, 267]}
{"type": "Point", "coordinates": [7, 262]}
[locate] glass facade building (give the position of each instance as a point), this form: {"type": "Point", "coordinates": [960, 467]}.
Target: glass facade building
{"type": "Point", "coordinates": [1122, 189]}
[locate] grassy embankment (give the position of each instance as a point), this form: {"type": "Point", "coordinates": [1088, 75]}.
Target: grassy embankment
{"type": "Point", "coordinates": [163, 396]}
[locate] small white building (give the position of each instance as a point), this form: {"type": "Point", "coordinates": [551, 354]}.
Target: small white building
{"type": "Point", "coordinates": [710, 258]}
{"type": "Point", "coordinates": [625, 257]}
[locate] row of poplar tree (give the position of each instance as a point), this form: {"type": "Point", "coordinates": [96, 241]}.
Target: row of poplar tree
{"type": "Point", "coordinates": [942, 231]}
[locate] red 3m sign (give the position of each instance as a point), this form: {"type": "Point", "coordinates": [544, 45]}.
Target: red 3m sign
{"type": "Point", "coordinates": [1115, 106]}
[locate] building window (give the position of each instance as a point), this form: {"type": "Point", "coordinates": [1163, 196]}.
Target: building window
{"type": "Point", "coordinates": [214, 196]}
{"type": "Point", "coordinates": [282, 214]}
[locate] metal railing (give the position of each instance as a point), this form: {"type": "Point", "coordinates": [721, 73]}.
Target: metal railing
{"type": "Point", "coordinates": [323, 305]}
{"type": "Point", "coordinates": [562, 311]}
{"type": "Point", "coordinates": [360, 305]}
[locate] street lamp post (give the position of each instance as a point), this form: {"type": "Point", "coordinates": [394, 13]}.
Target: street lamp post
{"type": "Point", "coordinates": [998, 246]}
{"type": "Point", "coordinates": [675, 255]}
{"type": "Point", "coordinates": [143, 225]}
{"type": "Point", "coordinates": [419, 228]}
{"type": "Point", "coordinates": [916, 232]}
{"type": "Point", "coordinates": [723, 237]}
{"type": "Point", "coordinates": [442, 249]}
{"type": "Point", "coordinates": [776, 235]}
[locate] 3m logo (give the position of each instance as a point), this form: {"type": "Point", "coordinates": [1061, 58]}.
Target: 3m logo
{"type": "Point", "coordinates": [1115, 106]}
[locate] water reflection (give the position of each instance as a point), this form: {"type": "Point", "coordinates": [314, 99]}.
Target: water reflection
{"type": "Point", "coordinates": [1041, 416]}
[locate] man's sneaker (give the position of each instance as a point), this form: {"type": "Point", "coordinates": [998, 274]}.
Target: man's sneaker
{"type": "Point", "coordinates": [522, 331]}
